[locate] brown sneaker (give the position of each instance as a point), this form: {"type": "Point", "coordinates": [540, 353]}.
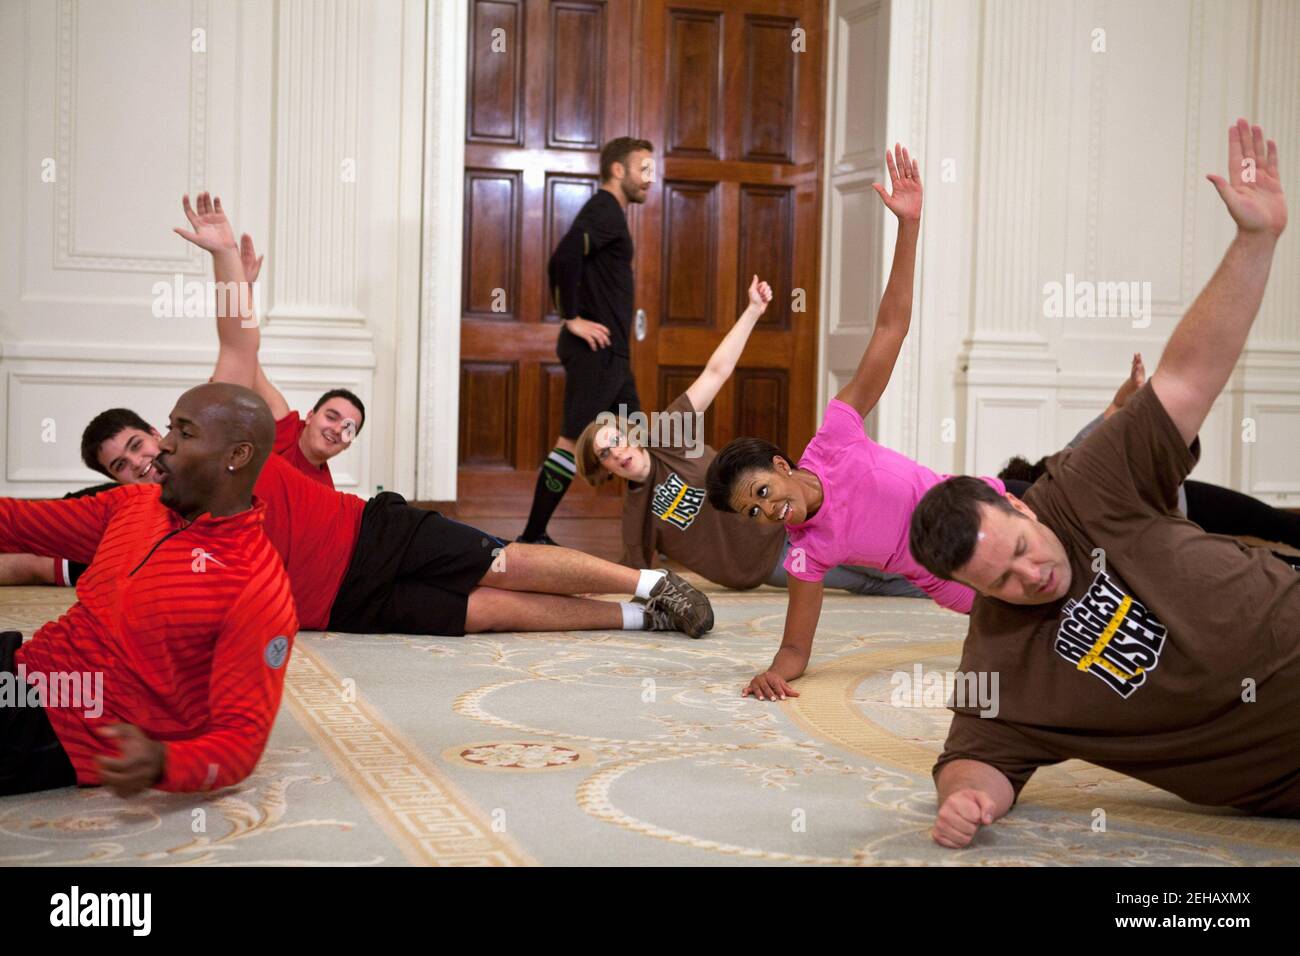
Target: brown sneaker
{"type": "Point", "coordinates": [675, 605]}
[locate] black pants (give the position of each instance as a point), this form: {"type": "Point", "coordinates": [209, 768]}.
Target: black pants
{"type": "Point", "coordinates": [31, 757]}
{"type": "Point", "coordinates": [594, 382]}
{"type": "Point", "coordinates": [412, 571]}
{"type": "Point", "coordinates": [1224, 511]}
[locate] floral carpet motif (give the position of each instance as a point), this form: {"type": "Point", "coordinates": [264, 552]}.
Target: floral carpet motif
{"type": "Point", "coordinates": [617, 748]}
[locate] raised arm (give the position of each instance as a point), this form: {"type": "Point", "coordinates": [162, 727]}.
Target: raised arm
{"type": "Point", "coordinates": [722, 362]}
{"type": "Point", "coordinates": [237, 325]}
{"type": "Point", "coordinates": [1208, 341]}
{"type": "Point", "coordinates": [895, 312]}
{"type": "Point", "coordinates": [235, 269]}
{"type": "Point", "coordinates": [1137, 377]}
{"type": "Point", "coordinates": [262, 385]}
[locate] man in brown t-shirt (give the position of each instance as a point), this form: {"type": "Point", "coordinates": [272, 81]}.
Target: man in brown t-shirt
{"type": "Point", "coordinates": [1122, 633]}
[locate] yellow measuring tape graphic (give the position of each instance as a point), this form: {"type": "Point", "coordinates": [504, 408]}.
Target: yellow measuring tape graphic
{"type": "Point", "coordinates": [1094, 654]}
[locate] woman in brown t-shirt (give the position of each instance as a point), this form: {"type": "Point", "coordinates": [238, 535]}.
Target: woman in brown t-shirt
{"type": "Point", "coordinates": [665, 511]}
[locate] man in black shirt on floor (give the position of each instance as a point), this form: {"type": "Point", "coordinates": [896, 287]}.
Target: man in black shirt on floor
{"type": "Point", "coordinates": [591, 283]}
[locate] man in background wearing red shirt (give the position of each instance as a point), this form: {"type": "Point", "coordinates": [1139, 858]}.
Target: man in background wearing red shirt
{"type": "Point", "coordinates": [385, 566]}
{"type": "Point", "coordinates": [336, 418]}
{"type": "Point", "coordinates": [168, 670]}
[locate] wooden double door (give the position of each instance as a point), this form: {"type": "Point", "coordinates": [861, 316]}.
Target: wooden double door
{"type": "Point", "coordinates": [731, 95]}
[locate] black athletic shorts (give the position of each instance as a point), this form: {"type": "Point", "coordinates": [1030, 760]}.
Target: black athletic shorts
{"type": "Point", "coordinates": [411, 571]}
{"type": "Point", "coordinates": [594, 382]}
{"type": "Point", "coordinates": [31, 757]}
{"type": "Point", "coordinates": [71, 571]}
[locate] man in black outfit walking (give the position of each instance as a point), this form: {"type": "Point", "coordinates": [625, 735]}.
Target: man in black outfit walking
{"type": "Point", "coordinates": [591, 282]}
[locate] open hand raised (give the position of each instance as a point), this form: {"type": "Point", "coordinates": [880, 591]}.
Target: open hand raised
{"type": "Point", "coordinates": [1252, 192]}
{"type": "Point", "coordinates": [211, 227]}
{"type": "Point", "coordinates": [905, 179]}
{"type": "Point", "coordinates": [249, 257]}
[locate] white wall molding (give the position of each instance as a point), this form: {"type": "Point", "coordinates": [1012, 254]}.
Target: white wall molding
{"type": "Point", "coordinates": [1043, 157]}
{"type": "Point", "coordinates": [1277, 97]}
{"type": "Point", "coordinates": [131, 354]}
{"type": "Point", "coordinates": [322, 75]}
{"type": "Point", "coordinates": [69, 253]}
{"type": "Point", "coordinates": [446, 48]}
{"type": "Point", "coordinates": [263, 112]}
{"type": "Point", "coordinates": [853, 222]}
{"type": "Point", "coordinates": [906, 107]}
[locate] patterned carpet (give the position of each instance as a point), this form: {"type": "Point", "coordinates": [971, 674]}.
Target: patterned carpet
{"type": "Point", "coordinates": [616, 748]}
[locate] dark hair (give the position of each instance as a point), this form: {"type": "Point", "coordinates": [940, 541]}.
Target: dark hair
{"type": "Point", "coordinates": [344, 394]}
{"type": "Point", "coordinates": [1019, 469]}
{"type": "Point", "coordinates": [104, 426]}
{"type": "Point", "coordinates": [946, 523]}
{"type": "Point", "coordinates": [740, 457]}
{"type": "Point", "coordinates": [617, 151]}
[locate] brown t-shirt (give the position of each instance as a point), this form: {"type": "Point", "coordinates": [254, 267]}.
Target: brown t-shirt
{"type": "Point", "coordinates": [670, 513]}
{"type": "Point", "coordinates": [1143, 667]}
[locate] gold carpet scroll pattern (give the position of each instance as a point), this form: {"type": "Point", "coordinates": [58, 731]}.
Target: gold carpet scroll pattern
{"type": "Point", "coordinates": [825, 708]}
{"type": "Point", "coordinates": [91, 826]}
{"type": "Point", "coordinates": [517, 755]}
{"type": "Point", "coordinates": [898, 804]}
{"type": "Point", "coordinates": [594, 797]}
{"type": "Point", "coordinates": [411, 799]}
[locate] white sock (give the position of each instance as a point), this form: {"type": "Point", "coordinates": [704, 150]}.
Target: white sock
{"type": "Point", "coordinates": [633, 616]}
{"type": "Point", "coordinates": [646, 583]}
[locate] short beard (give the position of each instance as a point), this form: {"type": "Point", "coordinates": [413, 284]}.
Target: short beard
{"type": "Point", "coordinates": [636, 196]}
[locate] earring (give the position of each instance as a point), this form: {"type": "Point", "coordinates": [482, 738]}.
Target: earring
{"type": "Point", "coordinates": [230, 468]}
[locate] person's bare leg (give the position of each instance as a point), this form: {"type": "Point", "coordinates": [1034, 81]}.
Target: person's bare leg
{"type": "Point", "coordinates": [19, 569]}
{"type": "Point", "coordinates": [492, 609]}
{"type": "Point", "coordinates": [555, 570]}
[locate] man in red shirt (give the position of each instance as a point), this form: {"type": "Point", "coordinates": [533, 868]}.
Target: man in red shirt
{"type": "Point", "coordinates": [384, 566]}
{"type": "Point", "coordinates": [338, 415]}
{"type": "Point", "coordinates": [329, 428]}
{"type": "Point", "coordinates": [121, 445]}
{"type": "Point", "coordinates": [168, 670]}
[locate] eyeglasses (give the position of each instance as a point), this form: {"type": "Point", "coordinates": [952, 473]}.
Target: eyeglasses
{"type": "Point", "coordinates": [604, 453]}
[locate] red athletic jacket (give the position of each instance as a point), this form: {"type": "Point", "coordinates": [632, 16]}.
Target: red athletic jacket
{"type": "Point", "coordinates": [190, 626]}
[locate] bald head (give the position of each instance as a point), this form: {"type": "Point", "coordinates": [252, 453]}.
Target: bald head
{"type": "Point", "coordinates": [237, 413]}
{"type": "Point", "coordinates": [219, 437]}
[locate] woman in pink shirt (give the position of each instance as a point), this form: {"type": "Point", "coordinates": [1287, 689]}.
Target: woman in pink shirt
{"type": "Point", "coordinates": [850, 500]}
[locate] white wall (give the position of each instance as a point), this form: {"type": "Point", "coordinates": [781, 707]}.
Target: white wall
{"type": "Point", "coordinates": [1062, 161]}
{"type": "Point", "coordinates": [304, 115]}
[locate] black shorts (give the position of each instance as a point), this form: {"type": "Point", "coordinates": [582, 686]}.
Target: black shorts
{"type": "Point", "coordinates": [411, 571]}
{"type": "Point", "coordinates": [72, 571]}
{"type": "Point", "coordinates": [594, 382]}
{"type": "Point", "coordinates": [31, 757]}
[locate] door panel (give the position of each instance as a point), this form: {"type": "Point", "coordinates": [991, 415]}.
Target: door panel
{"type": "Point", "coordinates": [735, 116]}
{"type": "Point", "coordinates": [740, 128]}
